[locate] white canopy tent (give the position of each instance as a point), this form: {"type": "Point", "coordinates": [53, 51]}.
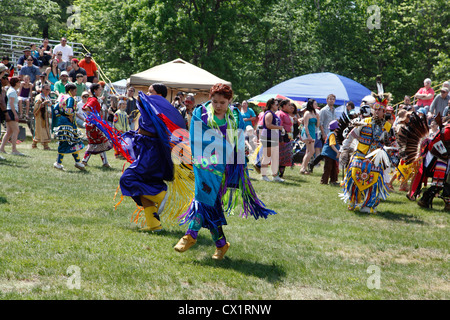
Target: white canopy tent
{"type": "Point", "coordinates": [177, 75]}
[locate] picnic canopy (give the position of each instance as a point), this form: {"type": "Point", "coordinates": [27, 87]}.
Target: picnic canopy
{"type": "Point", "coordinates": [318, 86]}
{"type": "Point", "coordinates": [178, 75]}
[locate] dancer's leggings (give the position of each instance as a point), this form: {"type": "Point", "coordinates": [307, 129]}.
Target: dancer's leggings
{"type": "Point", "coordinates": [217, 233]}
{"type": "Point", "coordinates": [76, 156]}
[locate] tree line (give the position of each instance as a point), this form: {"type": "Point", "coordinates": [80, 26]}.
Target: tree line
{"type": "Point", "coordinates": [255, 44]}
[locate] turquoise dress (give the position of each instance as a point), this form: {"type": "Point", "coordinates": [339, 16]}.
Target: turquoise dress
{"type": "Point", "coordinates": [52, 78]}
{"type": "Point", "coordinates": [312, 125]}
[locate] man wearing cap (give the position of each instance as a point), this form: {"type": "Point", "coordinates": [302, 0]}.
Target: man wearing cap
{"type": "Point", "coordinates": [439, 103]}
{"type": "Point", "coordinates": [22, 60]}
{"type": "Point", "coordinates": [31, 70]}
{"type": "Point", "coordinates": [67, 51]}
{"type": "Point", "coordinates": [76, 69]}
{"type": "Point", "coordinates": [90, 67]}
{"type": "Point", "coordinates": [60, 85]}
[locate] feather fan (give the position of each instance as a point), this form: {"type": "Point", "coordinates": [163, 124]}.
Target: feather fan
{"type": "Point", "coordinates": [411, 137]}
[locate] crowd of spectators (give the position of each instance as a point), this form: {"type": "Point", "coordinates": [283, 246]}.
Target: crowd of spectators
{"type": "Point", "coordinates": [305, 126]}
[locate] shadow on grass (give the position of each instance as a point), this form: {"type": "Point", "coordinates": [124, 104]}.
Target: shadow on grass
{"type": "Point", "coordinates": [3, 200]}
{"type": "Point", "coordinates": [14, 164]}
{"type": "Point", "coordinates": [393, 216]}
{"type": "Point", "coordinates": [271, 273]}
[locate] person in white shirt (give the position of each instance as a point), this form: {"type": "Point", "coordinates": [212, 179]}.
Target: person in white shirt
{"type": "Point", "coordinates": [67, 51]}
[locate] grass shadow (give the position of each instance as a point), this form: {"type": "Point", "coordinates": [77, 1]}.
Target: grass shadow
{"type": "Point", "coordinates": [393, 216]}
{"type": "Point", "coordinates": [270, 272]}
{"type": "Point", "coordinates": [3, 200]}
{"type": "Point", "coordinates": [14, 164]}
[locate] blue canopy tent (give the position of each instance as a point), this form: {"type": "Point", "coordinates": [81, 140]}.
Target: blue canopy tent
{"type": "Point", "coordinates": [318, 86]}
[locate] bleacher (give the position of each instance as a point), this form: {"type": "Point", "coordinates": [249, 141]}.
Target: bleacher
{"type": "Point", "coordinates": [12, 46]}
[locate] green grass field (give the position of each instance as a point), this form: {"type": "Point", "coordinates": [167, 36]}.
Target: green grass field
{"type": "Point", "coordinates": [59, 230]}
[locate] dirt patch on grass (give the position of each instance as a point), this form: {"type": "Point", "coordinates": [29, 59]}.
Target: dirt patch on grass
{"type": "Point", "coordinates": [402, 256]}
{"type": "Point", "coordinates": [303, 293]}
{"type": "Point", "coordinates": [19, 286]}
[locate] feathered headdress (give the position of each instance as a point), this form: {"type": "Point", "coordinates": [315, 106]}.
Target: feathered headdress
{"type": "Point", "coordinates": [381, 98]}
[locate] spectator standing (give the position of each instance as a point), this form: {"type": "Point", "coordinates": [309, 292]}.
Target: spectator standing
{"type": "Point", "coordinates": [76, 69]}
{"type": "Point", "coordinates": [121, 119]}
{"type": "Point", "coordinates": [31, 70]}
{"type": "Point", "coordinates": [178, 101]}
{"type": "Point", "coordinates": [4, 82]}
{"type": "Point", "coordinates": [131, 106]}
{"type": "Point", "coordinates": [270, 137]}
{"type": "Point", "coordinates": [311, 121]}
{"type": "Point", "coordinates": [440, 102]}
{"type": "Point", "coordinates": [53, 73]}
{"type": "Point", "coordinates": [248, 114]}
{"type": "Point", "coordinates": [331, 155]}
{"type": "Point", "coordinates": [41, 118]}
{"type": "Point", "coordinates": [65, 49]}
{"type": "Point", "coordinates": [425, 94]}
{"type": "Point", "coordinates": [113, 107]}
{"type": "Point", "coordinates": [295, 118]}
{"type": "Point", "coordinates": [186, 111]}
{"type": "Point", "coordinates": [60, 85]}
{"type": "Point", "coordinates": [285, 149]}
{"type": "Point", "coordinates": [326, 114]}
{"type": "Point", "coordinates": [12, 118]}
{"type": "Point", "coordinates": [90, 67]}
{"type": "Point", "coordinates": [349, 106]}
{"type": "Point", "coordinates": [103, 98]}
{"type": "Point", "coordinates": [79, 115]}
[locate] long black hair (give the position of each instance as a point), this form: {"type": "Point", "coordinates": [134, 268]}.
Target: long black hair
{"type": "Point", "coordinates": [310, 106]}
{"type": "Point", "coordinates": [94, 87]}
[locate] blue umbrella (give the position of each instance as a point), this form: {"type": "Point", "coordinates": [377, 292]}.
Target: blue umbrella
{"type": "Point", "coordinates": [318, 86]}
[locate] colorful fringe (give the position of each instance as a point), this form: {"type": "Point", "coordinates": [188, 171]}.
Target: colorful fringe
{"type": "Point", "coordinates": [236, 191]}
{"type": "Point", "coordinates": [369, 197]}
{"type": "Point", "coordinates": [111, 133]}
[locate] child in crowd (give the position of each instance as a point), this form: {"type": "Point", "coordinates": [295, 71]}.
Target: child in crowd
{"type": "Point", "coordinates": [250, 140]}
{"type": "Point", "coordinates": [81, 86]}
{"type": "Point", "coordinates": [25, 93]}
{"type": "Point", "coordinates": [121, 122]}
{"type": "Point", "coordinates": [331, 155]}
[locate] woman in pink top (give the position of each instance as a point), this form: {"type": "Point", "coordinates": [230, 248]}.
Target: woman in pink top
{"type": "Point", "coordinates": [425, 95]}
{"type": "Point", "coordinates": [285, 141]}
